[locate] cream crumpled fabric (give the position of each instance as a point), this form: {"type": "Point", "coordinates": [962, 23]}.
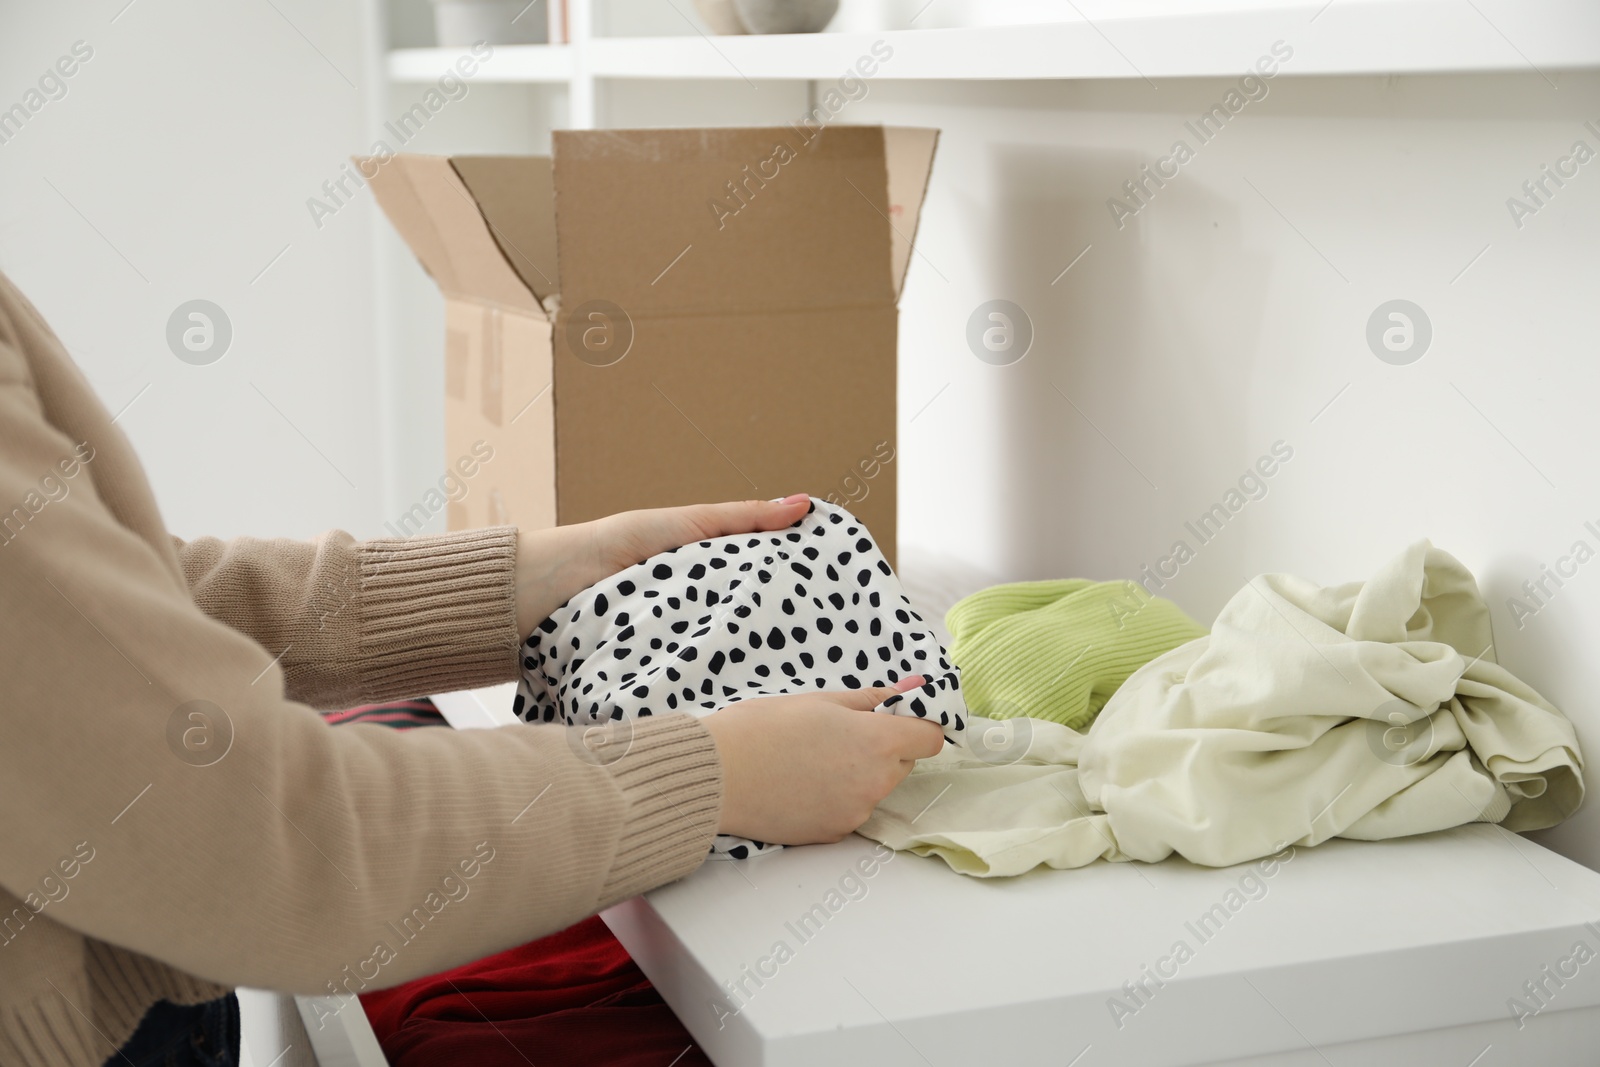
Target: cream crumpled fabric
{"type": "Point", "coordinates": [1369, 710]}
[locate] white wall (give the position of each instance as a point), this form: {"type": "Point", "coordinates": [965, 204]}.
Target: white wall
{"type": "Point", "coordinates": [190, 141]}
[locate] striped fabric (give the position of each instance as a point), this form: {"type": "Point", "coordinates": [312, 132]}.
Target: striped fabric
{"type": "Point", "coordinates": [1057, 650]}
{"type": "Point", "coordinates": [400, 714]}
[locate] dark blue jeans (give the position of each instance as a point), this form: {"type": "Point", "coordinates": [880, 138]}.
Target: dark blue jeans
{"type": "Point", "coordinates": [172, 1035]}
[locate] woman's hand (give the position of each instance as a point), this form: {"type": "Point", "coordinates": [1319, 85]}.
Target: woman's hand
{"type": "Point", "coordinates": [810, 767]}
{"type": "Point", "coordinates": [554, 565]}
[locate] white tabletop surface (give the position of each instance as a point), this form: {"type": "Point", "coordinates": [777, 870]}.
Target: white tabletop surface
{"type": "Point", "coordinates": [917, 965]}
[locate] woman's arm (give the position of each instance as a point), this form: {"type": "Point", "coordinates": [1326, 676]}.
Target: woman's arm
{"type": "Point", "coordinates": [355, 622]}
{"type": "Point", "coordinates": [253, 844]}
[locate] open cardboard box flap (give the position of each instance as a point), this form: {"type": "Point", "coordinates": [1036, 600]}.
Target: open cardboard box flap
{"type": "Point", "coordinates": [744, 283]}
{"type": "Point", "coordinates": [440, 219]}
{"type": "Point", "coordinates": [908, 151]}
{"type": "Point", "coordinates": [822, 235]}
{"type": "Point", "coordinates": [517, 198]}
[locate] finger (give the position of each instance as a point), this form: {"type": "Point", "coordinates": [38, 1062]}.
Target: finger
{"type": "Point", "coordinates": [910, 682]}
{"type": "Point", "coordinates": [860, 699]}
{"type": "Point", "coordinates": [749, 516]}
{"type": "Point", "coordinates": [913, 738]}
{"type": "Point", "coordinates": [872, 696]}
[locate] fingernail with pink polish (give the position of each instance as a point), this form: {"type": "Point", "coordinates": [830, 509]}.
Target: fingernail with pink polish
{"type": "Point", "coordinates": [795, 498]}
{"type": "Point", "coordinates": [915, 681]}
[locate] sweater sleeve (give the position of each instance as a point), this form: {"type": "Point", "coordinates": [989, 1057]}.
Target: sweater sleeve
{"type": "Point", "coordinates": [355, 622]}
{"type": "Point", "coordinates": [234, 835]}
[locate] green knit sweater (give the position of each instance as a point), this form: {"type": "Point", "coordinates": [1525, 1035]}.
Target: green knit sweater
{"type": "Point", "coordinates": [1057, 650]}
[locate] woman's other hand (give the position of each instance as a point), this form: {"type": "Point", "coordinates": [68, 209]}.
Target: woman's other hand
{"type": "Point", "coordinates": [554, 565]}
{"type": "Point", "coordinates": [810, 767]}
{"type": "Point", "coordinates": [621, 540]}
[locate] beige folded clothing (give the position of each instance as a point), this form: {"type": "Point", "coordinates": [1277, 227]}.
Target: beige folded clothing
{"type": "Point", "coordinates": [1368, 710]}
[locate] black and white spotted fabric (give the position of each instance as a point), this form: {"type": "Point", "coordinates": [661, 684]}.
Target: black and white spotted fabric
{"type": "Point", "coordinates": [814, 606]}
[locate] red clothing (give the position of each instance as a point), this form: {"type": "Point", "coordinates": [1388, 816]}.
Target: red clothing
{"type": "Point", "coordinates": [574, 997]}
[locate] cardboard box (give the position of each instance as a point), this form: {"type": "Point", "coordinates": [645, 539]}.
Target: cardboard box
{"type": "Point", "coordinates": [661, 317]}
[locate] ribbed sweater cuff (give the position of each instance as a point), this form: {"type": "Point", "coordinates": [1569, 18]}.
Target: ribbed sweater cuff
{"type": "Point", "coordinates": [127, 985]}
{"type": "Point", "coordinates": [672, 779]}
{"type": "Point", "coordinates": [438, 613]}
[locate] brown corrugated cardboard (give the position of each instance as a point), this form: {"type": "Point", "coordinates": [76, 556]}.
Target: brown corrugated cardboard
{"type": "Point", "coordinates": [516, 192]}
{"type": "Point", "coordinates": [908, 152]}
{"type": "Point", "coordinates": [723, 305]}
{"type": "Point", "coordinates": [429, 204]}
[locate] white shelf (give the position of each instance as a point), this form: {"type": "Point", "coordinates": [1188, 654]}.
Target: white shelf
{"type": "Point", "coordinates": [1325, 947]}
{"type": "Point", "coordinates": [1346, 38]}
{"type": "Point", "coordinates": [526, 63]}
{"type": "Point", "coordinates": [1342, 37]}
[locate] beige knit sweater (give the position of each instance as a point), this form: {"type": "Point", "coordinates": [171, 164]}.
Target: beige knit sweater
{"type": "Point", "coordinates": [175, 821]}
